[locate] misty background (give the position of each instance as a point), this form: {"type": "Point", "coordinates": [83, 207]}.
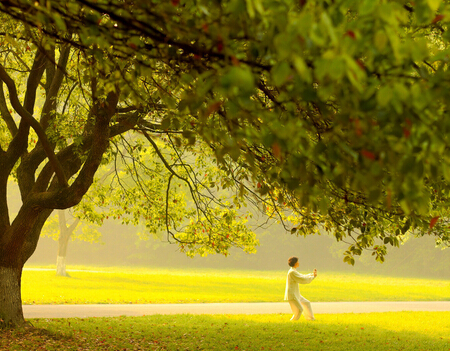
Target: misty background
{"type": "Point", "coordinates": [120, 246]}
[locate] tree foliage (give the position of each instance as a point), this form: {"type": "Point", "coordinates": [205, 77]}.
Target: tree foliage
{"type": "Point", "coordinates": [333, 109]}
{"type": "Point", "coordinates": [331, 113]}
{"type": "Point", "coordinates": [166, 189]}
{"type": "Point", "coordinates": [81, 231]}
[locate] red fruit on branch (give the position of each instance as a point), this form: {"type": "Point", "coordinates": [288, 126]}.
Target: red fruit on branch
{"type": "Point", "coordinates": [406, 132]}
{"type": "Point", "coordinates": [220, 45]}
{"type": "Point", "coordinates": [438, 18]}
{"type": "Point", "coordinates": [351, 34]}
{"type": "Point", "coordinates": [368, 154]}
{"type": "Point", "coordinates": [433, 221]}
{"type": "Point", "coordinates": [276, 150]}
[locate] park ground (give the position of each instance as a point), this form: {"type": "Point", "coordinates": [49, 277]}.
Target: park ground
{"type": "Point", "coordinates": [407, 330]}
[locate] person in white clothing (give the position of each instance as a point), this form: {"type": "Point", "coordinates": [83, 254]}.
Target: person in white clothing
{"type": "Point", "coordinates": [297, 302]}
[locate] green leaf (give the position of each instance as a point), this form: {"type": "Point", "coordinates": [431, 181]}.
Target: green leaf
{"type": "Point", "coordinates": [336, 68]}
{"type": "Point", "coordinates": [384, 96]}
{"type": "Point", "coordinates": [406, 227]}
{"type": "Point", "coordinates": [367, 7]}
{"type": "Point", "coordinates": [240, 78]}
{"type": "Point", "coordinates": [258, 6]}
{"type": "Point", "coordinates": [250, 8]}
{"type": "Point", "coordinates": [408, 164]}
{"type": "Point", "coordinates": [401, 92]}
{"type": "Point", "coordinates": [326, 21]}
{"type": "Point", "coordinates": [380, 40]}
{"type": "Point", "coordinates": [374, 195]}
{"type": "Point", "coordinates": [60, 23]}
{"type": "Point", "coordinates": [165, 123]}
{"type": "Point", "coordinates": [302, 69]}
{"type": "Point", "coordinates": [434, 4]}
{"type": "Point", "coordinates": [280, 73]}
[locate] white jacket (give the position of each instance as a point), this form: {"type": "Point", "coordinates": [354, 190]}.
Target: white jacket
{"type": "Point", "coordinates": [293, 279]}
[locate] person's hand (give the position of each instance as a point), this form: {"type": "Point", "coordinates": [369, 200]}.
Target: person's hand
{"type": "Point", "coordinates": [315, 272]}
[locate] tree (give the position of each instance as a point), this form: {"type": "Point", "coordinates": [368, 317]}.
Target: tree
{"type": "Point", "coordinates": [53, 143]}
{"type": "Point", "coordinates": [40, 191]}
{"type": "Point", "coordinates": [60, 115]}
{"type": "Point", "coordinates": [331, 112]}
{"type": "Point", "coordinates": [59, 229]}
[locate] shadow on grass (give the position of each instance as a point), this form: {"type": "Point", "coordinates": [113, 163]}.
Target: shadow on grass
{"type": "Point", "coordinates": [374, 331]}
{"type": "Point", "coordinates": [330, 332]}
{"type": "Point", "coordinates": [32, 338]}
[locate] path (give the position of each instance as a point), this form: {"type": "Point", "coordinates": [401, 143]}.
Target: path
{"type": "Point", "coordinates": [104, 310]}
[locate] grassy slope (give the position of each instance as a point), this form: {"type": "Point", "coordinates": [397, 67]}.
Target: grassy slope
{"type": "Point", "coordinates": [375, 331]}
{"type": "Point", "coordinates": [120, 285]}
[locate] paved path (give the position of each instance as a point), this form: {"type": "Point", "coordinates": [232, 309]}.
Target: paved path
{"type": "Point", "coordinates": [83, 311]}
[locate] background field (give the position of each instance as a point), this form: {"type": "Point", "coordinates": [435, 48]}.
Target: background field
{"type": "Point", "coordinates": [374, 331]}
{"type": "Point", "coordinates": [144, 285]}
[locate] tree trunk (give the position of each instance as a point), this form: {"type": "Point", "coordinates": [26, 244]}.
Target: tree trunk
{"type": "Point", "coordinates": [11, 313]}
{"type": "Point", "coordinates": [65, 232]}
{"type": "Point", "coordinates": [61, 266]}
{"type": "Point", "coordinates": [18, 244]}
{"type": "Point", "coordinates": [63, 242]}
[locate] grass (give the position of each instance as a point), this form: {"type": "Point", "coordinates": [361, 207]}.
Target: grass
{"type": "Point", "coordinates": [374, 331]}
{"type": "Point", "coordinates": [145, 285]}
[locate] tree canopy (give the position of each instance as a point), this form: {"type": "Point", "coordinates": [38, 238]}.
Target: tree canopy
{"type": "Point", "coordinates": [335, 109]}
{"type": "Point", "coordinates": [331, 113]}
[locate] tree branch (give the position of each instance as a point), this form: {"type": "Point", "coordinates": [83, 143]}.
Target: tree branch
{"type": "Point", "coordinates": [49, 107]}
{"type": "Point", "coordinates": [6, 116]}
{"type": "Point", "coordinates": [99, 140]}
{"type": "Point", "coordinates": [34, 78]}
{"type": "Point", "coordinates": [34, 124]}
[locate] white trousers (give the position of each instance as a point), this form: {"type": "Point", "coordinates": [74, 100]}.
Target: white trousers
{"type": "Point", "coordinates": [298, 307]}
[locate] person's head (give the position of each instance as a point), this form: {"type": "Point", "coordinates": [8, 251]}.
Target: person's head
{"type": "Point", "coordinates": [293, 261]}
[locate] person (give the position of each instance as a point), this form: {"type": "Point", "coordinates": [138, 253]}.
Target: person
{"type": "Point", "coordinates": [297, 302]}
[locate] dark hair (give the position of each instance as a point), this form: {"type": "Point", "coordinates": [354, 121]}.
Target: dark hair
{"type": "Point", "coordinates": [292, 261]}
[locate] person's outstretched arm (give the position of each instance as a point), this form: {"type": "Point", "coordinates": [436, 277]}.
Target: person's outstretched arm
{"type": "Point", "coordinates": [303, 278]}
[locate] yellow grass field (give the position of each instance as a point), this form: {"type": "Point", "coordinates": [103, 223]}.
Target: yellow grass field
{"type": "Point", "coordinates": [154, 285]}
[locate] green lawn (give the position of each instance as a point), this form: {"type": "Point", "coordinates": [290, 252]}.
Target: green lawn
{"type": "Point", "coordinates": [340, 332]}
{"type": "Point", "coordinates": [375, 331]}
{"type": "Point", "coordinates": [145, 285]}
